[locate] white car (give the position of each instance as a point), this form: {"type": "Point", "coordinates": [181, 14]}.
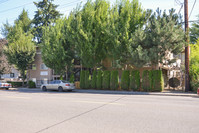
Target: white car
{"type": "Point", "coordinates": [59, 85]}
{"type": "Point", "coordinates": [5, 85]}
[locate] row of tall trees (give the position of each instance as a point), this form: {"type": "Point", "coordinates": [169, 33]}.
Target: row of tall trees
{"type": "Point", "coordinates": [123, 32]}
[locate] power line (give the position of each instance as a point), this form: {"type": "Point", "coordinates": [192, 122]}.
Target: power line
{"type": "Point", "coordinates": [3, 1]}
{"type": "Point", "coordinates": [192, 8]}
{"type": "Point", "coordinates": [15, 7]}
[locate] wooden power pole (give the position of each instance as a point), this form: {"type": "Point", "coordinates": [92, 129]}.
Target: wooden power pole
{"type": "Point", "coordinates": [187, 83]}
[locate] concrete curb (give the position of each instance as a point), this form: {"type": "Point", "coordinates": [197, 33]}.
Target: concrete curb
{"type": "Point", "coordinates": [91, 91]}
{"type": "Point", "coordinates": [138, 93]}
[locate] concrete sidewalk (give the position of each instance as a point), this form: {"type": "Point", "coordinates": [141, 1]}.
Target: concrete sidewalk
{"type": "Point", "coordinates": [91, 91]}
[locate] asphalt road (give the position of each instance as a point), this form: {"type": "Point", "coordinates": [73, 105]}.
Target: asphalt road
{"type": "Point", "coordinates": [74, 112]}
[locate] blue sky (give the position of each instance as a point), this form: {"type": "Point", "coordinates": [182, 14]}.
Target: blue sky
{"type": "Point", "coordinates": [10, 9]}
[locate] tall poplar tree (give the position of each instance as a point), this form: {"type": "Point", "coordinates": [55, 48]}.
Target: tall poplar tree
{"type": "Point", "coordinates": [89, 32]}
{"type": "Point", "coordinates": [125, 17]}
{"type": "Point", "coordinates": [57, 52]}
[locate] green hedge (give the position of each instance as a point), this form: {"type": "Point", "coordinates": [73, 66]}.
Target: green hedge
{"type": "Point", "coordinates": [125, 80]}
{"type": "Point", "coordinates": [135, 80]}
{"type": "Point", "coordinates": [158, 81]}
{"type": "Point", "coordinates": [106, 80]}
{"type": "Point", "coordinates": [72, 78]}
{"type": "Point", "coordinates": [99, 79]}
{"type": "Point", "coordinates": [82, 80]}
{"type": "Point", "coordinates": [146, 80]}
{"type": "Point", "coordinates": [31, 84]}
{"type": "Point", "coordinates": [152, 81]}
{"type": "Point", "coordinates": [87, 80]}
{"type": "Point", "coordinates": [94, 80]}
{"type": "Point", "coordinates": [114, 81]}
{"type": "Point", "coordinates": [16, 84]}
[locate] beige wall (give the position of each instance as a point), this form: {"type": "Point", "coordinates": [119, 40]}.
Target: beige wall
{"type": "Point", "coordinates": [39, 74]}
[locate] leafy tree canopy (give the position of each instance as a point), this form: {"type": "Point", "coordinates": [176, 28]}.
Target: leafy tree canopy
{"type": "Point", "coordinates": [57, 52]}
{"type": "Point", "coordinates": [162, 35]}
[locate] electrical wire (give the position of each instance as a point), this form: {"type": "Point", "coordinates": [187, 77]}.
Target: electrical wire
{"type": "Point", "coordinates": [15, 7]}
{"type": "Point", "coordinates": [3, 1]}
{"type": "Point", "coordinates": [192, 8]}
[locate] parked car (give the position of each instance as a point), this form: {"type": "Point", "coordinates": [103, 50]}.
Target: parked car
{"type": "Point", "coordinates": [59, 85]}
{"type": "Point", "coordinates": [5, 85]}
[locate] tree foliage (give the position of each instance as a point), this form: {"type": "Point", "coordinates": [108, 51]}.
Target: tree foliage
{"type": "Point", "coordinates": [161, 35]}
{"type": "Point", "coordinates": [20, 50]}
{"type": "Point", "coordinates": [88, 31]}
{"type": "Point", "coordinates": [125, 17]}
{"type": "Point", "coordinates": [57, 52]}
{"type": "Point", "coordinates": [194, 32]}
{"type": "Point", "coordinates": [45, 15]}
{"type": "Point", "coordinates": [194, 65]}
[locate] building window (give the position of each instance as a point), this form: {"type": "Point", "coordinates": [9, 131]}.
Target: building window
{"type": "Point", "coordinates": [12, 75]}
{"type": "Point", "coordinates": [44, 67]}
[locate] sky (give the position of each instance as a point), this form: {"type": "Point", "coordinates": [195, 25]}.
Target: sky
{"type": "Point", "coordinates": [10, 9]}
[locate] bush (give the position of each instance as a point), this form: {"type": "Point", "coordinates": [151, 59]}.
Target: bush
{"type": "Point", "coordinates": [99, 79]}
{"type": "Point", "coordinates": [87, 80]}
{"type": "Point", "coordinates": [158, 81]}
{"type": "Point", "coordinates": [125, 80]}
{"type": "Point", "coordinates": [94, 80]}
{"type": "Point", "coordinates": [135, 80]}
{"type": "Point", "coordinates": [146, 80]}
{"type": "Point", "coordinates": [82, 80]}
{"type": "Point", "coordinates": [114, 81]}
{"type": "Point", "coordinates": [31, 84]}
{"type": "Point", "coordinates": [72, 78]}
{"type": "Point", "coordinates": [16, 84]}
{"type": "Point", "coordinates": [106, 80]}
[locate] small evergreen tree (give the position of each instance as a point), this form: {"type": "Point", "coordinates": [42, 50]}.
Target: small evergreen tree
{"type": "Point", "coordinates": [114, 81]}
{"type": "Point", "coordinates": [158, 81]}
{"type": "Point", "coordinates": [125, 80]}
{"type": "Point", "coordinates": [87, 79]}
{"type": "Point", "coordinates": [146, 81]}
{"type": "Point", "coordinates": [94, 80]}
{"type": "Point", "coordinates": [106, 80]}
{"type": "Point", "coordinates": [99, 79]}
{"type": "Point", "coordinates": [135, 80]}
{"type": "Point", "coordinates": [82, 80]}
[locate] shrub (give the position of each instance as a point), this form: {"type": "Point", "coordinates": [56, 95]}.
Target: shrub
{"type": "Point", "coordinates": [146, 80]}
{"type": "Point", "coordinates": [31, 84]}
{"type": "Point", "coordinates": [106, 80]}
{"type": "Point", "coordinates": [135, 80]}
{"type": "Point", "coordinates": [125, 80]}
{"type": "Point", "coordinates": [99, 79]}
{"type": "Point", "coordinates": [16, 84]}
{"type": "Point", "coordinates": [82, 80]}
{"type": "Point", "coordinates": [114, 81]}
{"type": "Point", "coordinates": [94, 80]}
{"type": "Point", "coordinates": [72, 78]}
{"type": "Point", "coordinates": [158, 81]}
{"type": "Point", "coordinates": [87, 80]}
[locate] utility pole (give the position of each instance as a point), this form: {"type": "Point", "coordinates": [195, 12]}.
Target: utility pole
{"type": "Point", "coordinates": [187, 83]}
